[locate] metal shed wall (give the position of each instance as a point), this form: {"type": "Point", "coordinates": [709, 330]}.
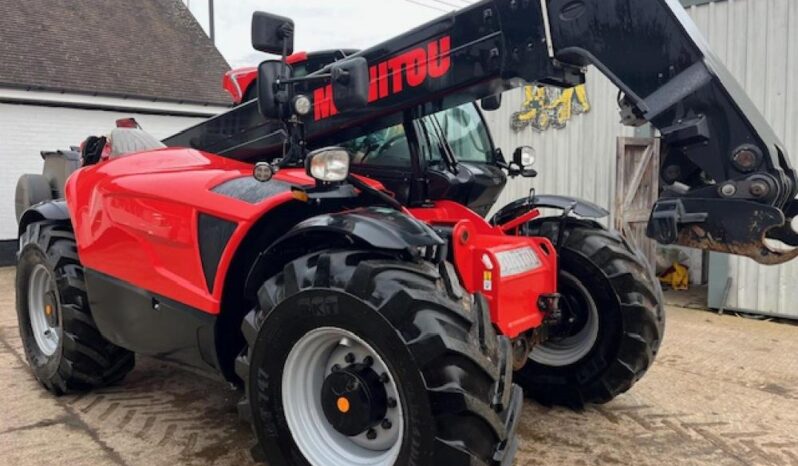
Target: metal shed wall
{"type": "Point", "coordinates": [755, 40]}
{"type": "Point", "coordinates": [758, 42]}
{"type": "Point", "coordinates": [578, 160]}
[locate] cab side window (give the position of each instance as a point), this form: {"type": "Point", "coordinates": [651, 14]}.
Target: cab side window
{"type": "Point", "coordinates": [386, 147]}
{"type": "Point", "coordinates": [462, 130]}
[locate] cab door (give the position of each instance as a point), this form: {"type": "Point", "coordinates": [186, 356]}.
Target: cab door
{"type": "Point", "coordinates": [388, 155]}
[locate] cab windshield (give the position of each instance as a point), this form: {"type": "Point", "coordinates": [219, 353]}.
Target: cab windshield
{"type": "Point", "coordinates": [458, 131]}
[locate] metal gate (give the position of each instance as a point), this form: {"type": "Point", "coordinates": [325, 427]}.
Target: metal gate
{"type": "Point", "coordinates": [636, 190]}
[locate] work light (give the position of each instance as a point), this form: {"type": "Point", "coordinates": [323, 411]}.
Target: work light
{"type": "Point", "coordinates": [301, 105]}
{"type": "Point", "coordinates": [524, 156]}
{"type": "Point", "coordinates": [330, 164]}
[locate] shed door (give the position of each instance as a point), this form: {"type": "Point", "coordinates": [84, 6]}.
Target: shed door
{"type": "Point", "coordinates": [636, 190]}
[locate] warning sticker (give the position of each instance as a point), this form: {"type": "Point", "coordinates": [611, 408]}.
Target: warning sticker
{"type": "Point", "coordinates": [487, 280]}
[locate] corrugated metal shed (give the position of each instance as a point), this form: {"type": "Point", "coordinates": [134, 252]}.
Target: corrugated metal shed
{"type": "Point", "coordinates": [578, 160]}
{"type": "Point", "coordinates": [758, 41]}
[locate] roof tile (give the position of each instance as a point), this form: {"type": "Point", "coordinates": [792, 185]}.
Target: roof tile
{"type": "Point", "coordinates": [151, 49]}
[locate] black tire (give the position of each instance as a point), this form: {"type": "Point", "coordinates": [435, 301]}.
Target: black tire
{"type": "Point", "coordinates": [631, 318]}
{"type": "Point", "coordinates": [453, 371]}
{"type": "Point", "coordinates": [83, 359]}
{"type": "Point", "coordinates": [31, 190]}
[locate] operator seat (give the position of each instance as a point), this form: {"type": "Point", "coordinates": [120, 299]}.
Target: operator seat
{"type": "Point", "coordinates": [125, 141]}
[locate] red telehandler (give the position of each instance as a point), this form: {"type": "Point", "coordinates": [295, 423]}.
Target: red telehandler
{"type": "Point", "coordinates": [326, 245]}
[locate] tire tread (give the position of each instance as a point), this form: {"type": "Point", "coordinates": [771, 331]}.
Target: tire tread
{"type": "Point", "coordinates": [638, 296]}
{"type": "Point", "coordinates": [439, 323]}
{"type": "Point", "coordinates": [88, 360]}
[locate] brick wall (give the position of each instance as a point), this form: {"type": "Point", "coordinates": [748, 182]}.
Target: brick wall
{"type": "Point", "coordinates": [27, 129]}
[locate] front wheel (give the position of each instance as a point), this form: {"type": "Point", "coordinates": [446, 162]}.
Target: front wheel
{"type": "Point", "coordinates": [612, 324]}
{"type": "Point", "coordinates": [358, 358]}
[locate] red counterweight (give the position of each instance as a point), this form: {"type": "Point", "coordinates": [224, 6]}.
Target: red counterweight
{"type": "Point", "coordinates": [512, 272]}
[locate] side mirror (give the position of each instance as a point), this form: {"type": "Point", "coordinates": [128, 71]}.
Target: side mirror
{"type": "Point", "coordinates": [350, 83]}
{"type": "Point", "coordinates": [491, 102]}
{"type": "Point", "coordinates": [269, 97]}
{"type": "Point", "coordinates": [523, 159]}
{"type": "Point", "coordinates": [272, 33]}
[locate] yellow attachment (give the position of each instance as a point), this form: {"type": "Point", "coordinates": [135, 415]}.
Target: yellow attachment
{"type": "Point", "coordinates": [676, 276]}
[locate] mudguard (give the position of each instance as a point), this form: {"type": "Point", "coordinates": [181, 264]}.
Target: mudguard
{"type": "Point", "coordinates": [380, 228]}
{"type": "Point", "coordinates": [55, 210]}
{"type": "Point", "coordinates": [377, 228]}
{"type": "Point", "coordinates": [517, 208]}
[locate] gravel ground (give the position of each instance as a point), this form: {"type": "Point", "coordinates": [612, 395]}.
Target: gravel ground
{"type": "Point", "coordinates": [724, 390]}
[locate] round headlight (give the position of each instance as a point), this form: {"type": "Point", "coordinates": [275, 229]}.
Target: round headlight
{"type": "Point", "coordinates": [302, 105]}
{"type": "Point", "coordinates": [263, 172]}
{"type": "Point", "coordinates": [330, 164]}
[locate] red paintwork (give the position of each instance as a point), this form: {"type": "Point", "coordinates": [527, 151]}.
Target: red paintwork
{"type": "Point", "coordinates": [135, 218]}
{"type": "Point", "coordinates": [513, 300]}
{"type": "Point", "coordinates": [297, 57]}
{"type": "Point", "coordinates": [520, 220]}
{"type": "Point", "coordinates": [237, 81]}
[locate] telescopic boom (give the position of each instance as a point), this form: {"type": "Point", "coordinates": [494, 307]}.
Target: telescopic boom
{"type": "Point", "coordinates": [728, 184]}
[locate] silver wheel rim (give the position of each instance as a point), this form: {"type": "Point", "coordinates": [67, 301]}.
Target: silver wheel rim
{"type": "Point", "coordinates": [46, 335]}
{"type": "Point", "coordinates": [310, 360]}
{"type": "Point", "coordinates": [565, 351]}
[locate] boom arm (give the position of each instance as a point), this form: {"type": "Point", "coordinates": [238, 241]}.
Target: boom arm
{"type": "Point", "coordinates": [728, 182]}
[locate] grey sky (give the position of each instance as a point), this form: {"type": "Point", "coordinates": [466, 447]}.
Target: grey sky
{"type": "Point", "coordinates": [320, 24]}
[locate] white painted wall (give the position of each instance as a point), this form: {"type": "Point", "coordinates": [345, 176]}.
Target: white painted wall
{"type": "Point", "coordinates": [25, 130]}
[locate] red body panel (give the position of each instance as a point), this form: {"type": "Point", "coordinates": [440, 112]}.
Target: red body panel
{"type": "Point", "coordinates": [237, 81]}
{"type": "Point", "coordinates": [513, 299]}
{"type": "Point", "coordinates": [135, 218]}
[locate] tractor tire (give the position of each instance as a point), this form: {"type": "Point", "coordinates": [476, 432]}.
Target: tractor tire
{"type": "Point", "coordinates": [62, 344]}
{"type": "Point", "coordinates": [31, 190]}
{"type": "Point", "coordinates": [355, 357]}
{"type": "Point", "coordinates": [616, 304]}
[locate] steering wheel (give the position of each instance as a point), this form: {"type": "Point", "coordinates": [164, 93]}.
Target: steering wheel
{"type": "Point", "coordinates": [387, 145]}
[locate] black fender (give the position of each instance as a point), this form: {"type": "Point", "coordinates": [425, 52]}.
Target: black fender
{"type": "Point", "coordinates": [55, 210]}
{"type": "Point", "coordinates": [582, 208]}
{"type": "Point", "coordinates": [373, 228]}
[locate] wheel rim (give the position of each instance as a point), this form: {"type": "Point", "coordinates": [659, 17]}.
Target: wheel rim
{"type": "Point", "coordinates": [43, 310]}
{"type": "Point", "coordinates": [310, 361]}
{"type": "Point", "coordinates": [580, 337]}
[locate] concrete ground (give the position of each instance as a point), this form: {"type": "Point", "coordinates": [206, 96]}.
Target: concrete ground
{"type": "Point", "coordinates": [724, 391]}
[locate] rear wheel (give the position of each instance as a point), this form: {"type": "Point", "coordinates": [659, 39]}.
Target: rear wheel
{"type": "Point", "coordinates": [613, 318]}
{"type": "Point", "coordinates": [62, 344]}
{"type": "Point", "coordinates": [359, 358]}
